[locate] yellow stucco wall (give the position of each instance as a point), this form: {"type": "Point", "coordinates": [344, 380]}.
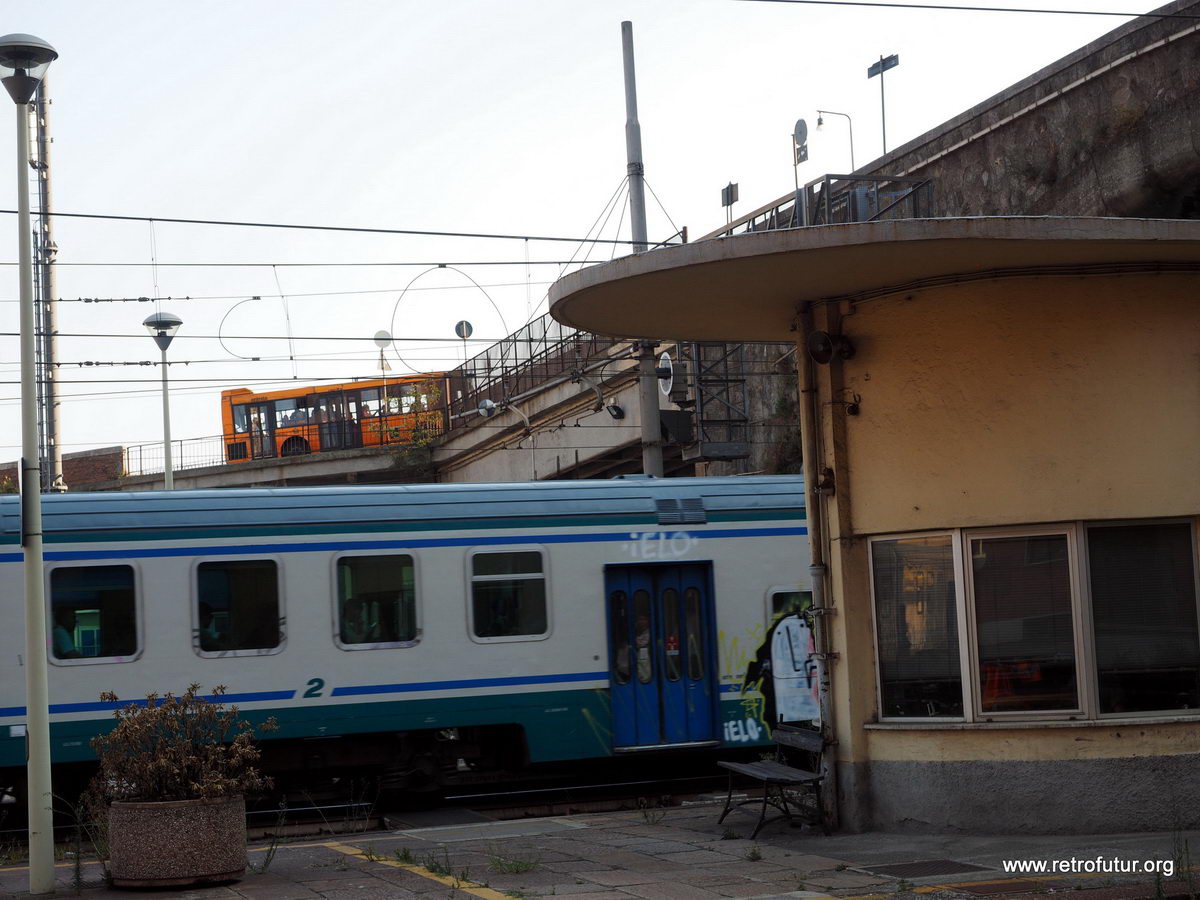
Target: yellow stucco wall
{"type": "Point", "coordinates": [1046, 743]}
{"type": "Point", "coordinates": [1025, 400]}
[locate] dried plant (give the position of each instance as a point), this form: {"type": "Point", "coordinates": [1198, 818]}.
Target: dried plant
{"type": "Point", "coordinates": [188, 747]}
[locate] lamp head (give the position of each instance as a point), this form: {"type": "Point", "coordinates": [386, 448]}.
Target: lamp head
{"type": "Point", "coordinates": [23, 63]}
{"type": "Point", "coordinates": [820, 121]}
{"type": "Point", "coordinates": [162, 327]}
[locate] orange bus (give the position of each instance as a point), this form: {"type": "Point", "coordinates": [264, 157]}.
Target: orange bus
{"type": "Point", "coordinates": [292, 422]}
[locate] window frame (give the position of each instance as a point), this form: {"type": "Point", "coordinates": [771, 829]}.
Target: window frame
{"type": "Point", "coordinates": [1080, 641]}
{"type": "Point", "coordinates": [469, 569]}
{"type": "Point", "coordinates": [1086, 580]}
{"type": "Point", "coordinates": [418, 618]}
{"type": "Point", "coordinates": [138, 612]}
{"type": "Point", "coordinates": [964, 664]}
{"type": "Point", "coordinates": [1082, 612]}
{"type": "Point", "coordinates": [281, 597]}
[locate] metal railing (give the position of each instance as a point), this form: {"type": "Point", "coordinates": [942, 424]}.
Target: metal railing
{"type": "Point", "coordinates": [188, 453]}
{"type": "Point", "coordinates": [838, 199]}
{"type": "Point", "coordinates": [525, 360]}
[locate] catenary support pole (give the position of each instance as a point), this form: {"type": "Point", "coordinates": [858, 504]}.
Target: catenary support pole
{"type": "Point", "coordinates": [652, 461]}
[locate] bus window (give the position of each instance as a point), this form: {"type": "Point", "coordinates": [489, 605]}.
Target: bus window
{"type": "Point", "coordinates": [369, 402]}
{"type": "Point", "coordinates": [286, 413]}
{"type": "Point", "coordinates": [239, 419]}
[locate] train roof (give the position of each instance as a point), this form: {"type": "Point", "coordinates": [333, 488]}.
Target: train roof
{"type": "Point", "coordinates": [625, 500]}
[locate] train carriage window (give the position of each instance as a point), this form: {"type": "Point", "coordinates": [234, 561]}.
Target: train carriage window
{"type": "Point", "coordinates": [376, 601]}
{"type": "Point", "coordinates": [787, 602]}
{"type": "Point", "coordinates": [94, 613]}
{"type": "Point", "coordinates": [508, 594]}
{"type": "Point", "coordinates": [643, 637]}
{"type": "Point", "coordinates": [238, 606]}
{"type": "Point", "coordinates": [695, 630]}
{"type": "Point", "coordinates": [670, 601]}
{"type": "Point", "coordinates": [619, 614]}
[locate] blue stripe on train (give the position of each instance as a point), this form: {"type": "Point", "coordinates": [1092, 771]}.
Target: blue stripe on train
{"type": "Point", "coordinates": [358, 690]}
{"type": "Point", "coordinates": [470, 541]}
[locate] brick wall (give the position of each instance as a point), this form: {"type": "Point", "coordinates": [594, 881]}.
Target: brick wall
{"type": "Point", "coordinates": [79, 469]}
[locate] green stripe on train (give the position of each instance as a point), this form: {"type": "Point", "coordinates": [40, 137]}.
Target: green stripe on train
{"type": "Point", "coordinates": [559, 725]}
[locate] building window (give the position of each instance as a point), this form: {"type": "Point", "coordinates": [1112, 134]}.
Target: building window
{"type": "Point", "coordinates": [237, 606]}
{"type": "Point", "coordinates": [1024, 623]}
{"type": "Point", "coordinates": [377, 603]}
{"type": "Point", "coordinates": [94, 613]}
{"type": "Point", "coordinates": [1143, 585]}
{"type": "Point", "coordinates": [916, 615]}
{"type": "Point", "coordinates": [508, 595]}
{"type": "Point", "coordinates": [1030, 596]}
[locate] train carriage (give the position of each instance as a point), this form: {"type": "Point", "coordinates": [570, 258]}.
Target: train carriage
{"type": "Point", "coordinates": [422, 633]}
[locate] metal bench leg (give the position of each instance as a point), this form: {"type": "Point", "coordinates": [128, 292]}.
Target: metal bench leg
{"type": "Point", "coordinates": [762, 816]}
{"type": "Point", "coordinates": [728, 800]}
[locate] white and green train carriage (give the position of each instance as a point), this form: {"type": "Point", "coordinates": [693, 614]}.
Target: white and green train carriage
{"type": "Point", "coordinates": [423, 633]}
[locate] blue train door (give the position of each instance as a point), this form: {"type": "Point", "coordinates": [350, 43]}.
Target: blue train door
{"type": "Point", "coordinates": [662, 659]}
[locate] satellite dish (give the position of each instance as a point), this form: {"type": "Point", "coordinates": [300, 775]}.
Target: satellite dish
{"type": "Point", "coordinates": [382, 339]}
{"type": "Point", "coordinates": [463, 329]}
{"type": "Point", "coordinates": [822, 347]}
{"type": "Point", "coordinates": [666, 374]}
{"type": "Point", "coordinates": [801, 133]}
{"type": "Point", "coordinates": [487, 408]}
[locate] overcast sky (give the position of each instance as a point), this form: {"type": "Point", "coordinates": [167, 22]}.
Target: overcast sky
{"type": "Point", "coordinates": [490, 116]}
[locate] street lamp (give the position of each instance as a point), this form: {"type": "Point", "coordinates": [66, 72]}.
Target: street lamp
{"type": "Point", "coordinates": [23, 61]}
{"type": "Point", "coordinates": [162, 327]}
{"type": "Point", "coordinates": [821, 113]}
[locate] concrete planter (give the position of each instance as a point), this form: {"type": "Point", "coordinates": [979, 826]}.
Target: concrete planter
{"type": "Point", "coordinates": [177, 842]}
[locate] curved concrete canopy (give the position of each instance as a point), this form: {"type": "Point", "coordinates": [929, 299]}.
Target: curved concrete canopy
{"type": "Point", "coordinates": [748, 287]}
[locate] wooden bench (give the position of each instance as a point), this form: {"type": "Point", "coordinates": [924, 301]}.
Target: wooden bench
{"type": "Point", "coordinates": [779, 778]}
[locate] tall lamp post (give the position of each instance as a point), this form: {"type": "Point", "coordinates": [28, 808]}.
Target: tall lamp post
{"type": "Point", "coordinates": [162, 327]}
{"type": "Point", "coordinates": [821, 113]}
{"type": "Point", "coordinates": [23, 61]}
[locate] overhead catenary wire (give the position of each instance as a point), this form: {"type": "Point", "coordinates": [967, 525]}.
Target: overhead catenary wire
{"type": "Point", "coordinates": [339, 228]}
{"type": "Point", "coordinates": [881, 4]}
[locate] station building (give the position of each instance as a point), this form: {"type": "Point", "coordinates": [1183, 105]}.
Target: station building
{"type": "Point", "coordinates": [1001, 425]}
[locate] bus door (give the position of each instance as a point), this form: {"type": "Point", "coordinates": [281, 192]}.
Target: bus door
{"type": "Point", "coordinates": [337, 429]}
{"type": "Point", "coordinates": [661, 639]}
{"type": "Point", "coordinates": [261, 425]}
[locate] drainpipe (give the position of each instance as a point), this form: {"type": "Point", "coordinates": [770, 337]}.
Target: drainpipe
{"type": "Point", "coordinates": [813, 502]}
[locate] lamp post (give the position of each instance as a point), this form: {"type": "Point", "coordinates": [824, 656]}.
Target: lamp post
{"type": "Point", "coordinates": [162, 327]}
{"type": "Point", "coordinates": [850, 122]}
{"type": "Point", "coordinates": [23, 61]}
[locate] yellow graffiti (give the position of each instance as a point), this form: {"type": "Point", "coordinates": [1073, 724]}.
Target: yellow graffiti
{"type": "Point", "coordinates": [737, 652]}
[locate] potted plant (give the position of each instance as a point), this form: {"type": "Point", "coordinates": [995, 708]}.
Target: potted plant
{"type": "Point", "coordinates": [173, 774]}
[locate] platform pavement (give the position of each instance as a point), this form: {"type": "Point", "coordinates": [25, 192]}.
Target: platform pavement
{"type": "Point", "coordinates": [679, 853]}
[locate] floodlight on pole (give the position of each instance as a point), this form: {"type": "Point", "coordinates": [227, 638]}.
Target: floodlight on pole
{"type": "Point", "coordinates": [162, 327]}
{"type": "Point", "coordinates": [23, 61]}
